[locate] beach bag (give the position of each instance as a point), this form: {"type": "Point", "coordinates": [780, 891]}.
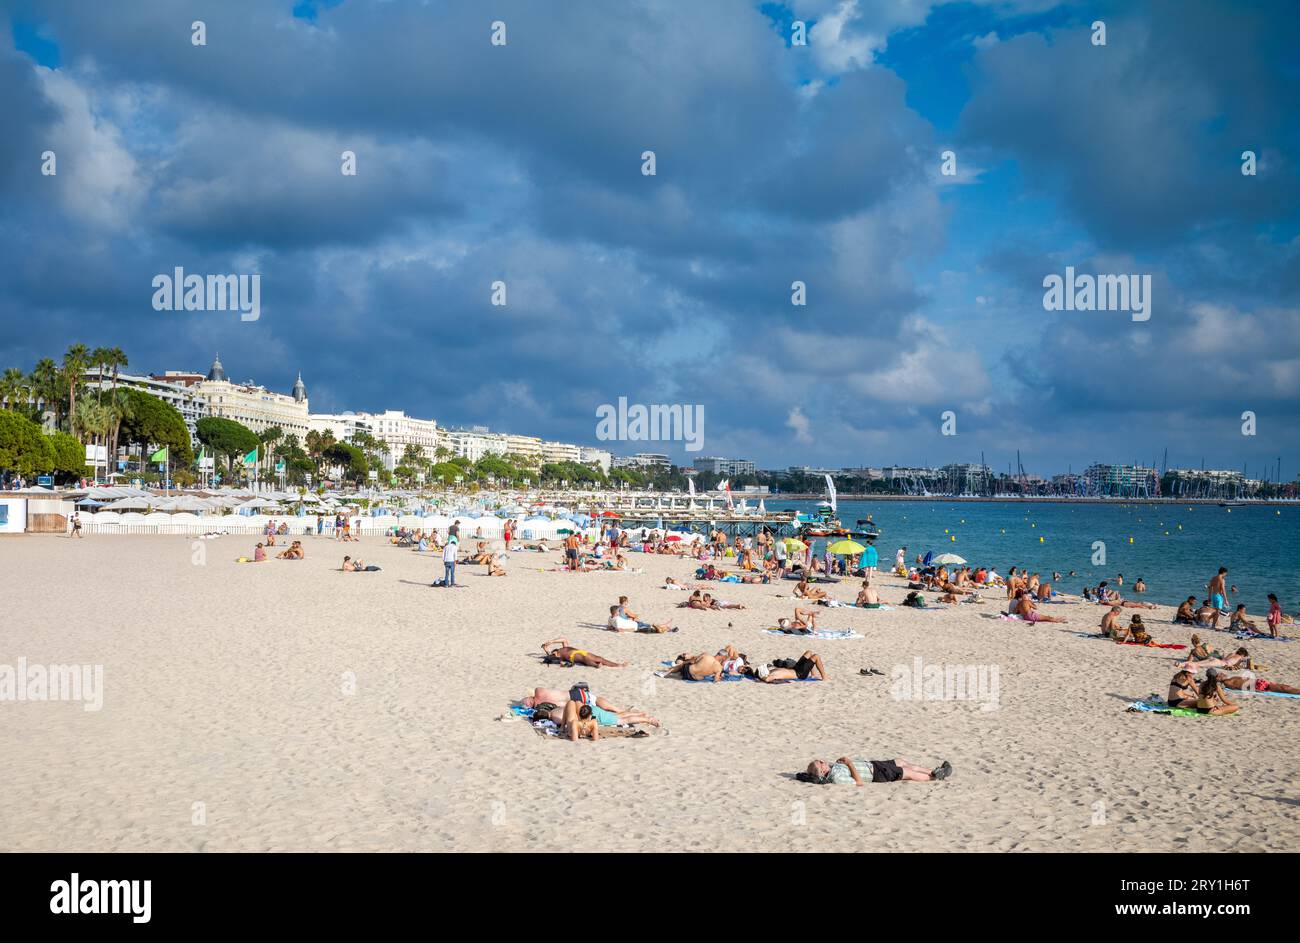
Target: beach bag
{"type": "Point", "coordinates": [915, 600]}
{"type": "Point", "coordinates": [580, 693]}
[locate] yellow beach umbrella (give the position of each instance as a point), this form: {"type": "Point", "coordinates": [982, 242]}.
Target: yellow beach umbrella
{"type": "Point", "coordinates": [794, 543]}
{"type": "Point", "coordinates": [846, 547]}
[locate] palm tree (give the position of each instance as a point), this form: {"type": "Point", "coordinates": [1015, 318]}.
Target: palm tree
{"type": "Point", "coordinates": [45, 387]}
{"type": "Point", "coordinates": [120, 408]}
{"type": "Point", "coordinates": [14, 388]}
{"type": "Point", "coordinates": [98, 359]}
{"type": "Point", "coordinates": [74, 369]}
{"type": "Point", "coordinates": [95, 420]}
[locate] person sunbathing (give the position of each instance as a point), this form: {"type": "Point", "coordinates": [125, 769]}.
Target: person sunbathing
{"type": "Point", "coordinates": [868, 598]}
{"type": "Point", "coordinates": [495, 569]}
{"type": "Point", "coordinates": [259, 553]}
{"type": "Point", "coordinates": [1186, 614]}
{"type": "Point", "coordinates": [562, 716]}
{"type": "Point", "coordinates": [695, 667]}
{"type": "Point", "coordinates": [807, 665]}
{"type": "Point", "coordinates": [1183, 691]}
{"type": "Point", "coordinates": [847, 772]}
{"type": "Point", "coordinates": [560, 652]}
{"type": "Point", "coordinates": [481, 553]}
{"type": "Point", "coordinates": [577, 721]}
{"type": "Point", "coordinates": [712, 603]}
{"type": "Point", "coordinates": [1045, 592]}
{"type": "Point", "coordinates": [618, 623]}
{"type": "Point", "coordinates": [733, 661]}
{"type": "Point", "coordinates": [1240, 623]}
{"type": "Point", "coordinates": [546, 698]}
{"type": "Point", "coordinates": [670, 583]}
{"type": "Point", "coordinates": [694, 601]}
{"type": "Point", "coordinates": [292, 552]}
{"type": "Point", "coordinates": [1237, 661]}
{"type": "Point", "coordinates": [1135, 632]}
{"type": "Point", "coordinates": [1245, 683]}
{"type": "Point", "coordinates": [803, 623]}
{"type": "Point", "coordinates": [1207, 617]}
{"type": "Point", "coordinates": [804, 591]}
{"type": "Point", "coordinates": [1212, 698]}
{"type": "Point", "coordinates": [1111, 627]}
{"type": "Point", "coordinates": [1201, 652]}
{"type": "Point", "coordinates": [1023, 606]}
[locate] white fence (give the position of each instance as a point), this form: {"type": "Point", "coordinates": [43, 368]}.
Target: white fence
{"type": "Point", "coordinates": [184, 523]}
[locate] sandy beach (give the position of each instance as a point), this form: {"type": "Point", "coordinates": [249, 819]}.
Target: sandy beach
{"type": "Point", "coordinates": [229, 686]}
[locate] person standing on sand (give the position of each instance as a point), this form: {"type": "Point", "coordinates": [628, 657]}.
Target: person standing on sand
{"type": "Point", "coordinates": [1218, 590]}
{"type": "Point", "coordinates": [571, 545]}
{"type": "Point", "coordinates": [76, 529]}
{"type": "Point", "coordinates": [449, 561]}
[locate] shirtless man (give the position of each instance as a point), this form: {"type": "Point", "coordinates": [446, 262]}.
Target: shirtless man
{"type": "Point", "coordinates": [804, 622]}
{"type": "Point", "coordinates": [695, 667]}
{"type": "Point", "coordinates": [1257, 684]}
{"type": "Point", "coordinates": [1140, 586]}
{"type": "Point", "coordinates": [867, 596]}
{"type": "Point", "coordinates": [712, 603]}
{"type": "Point", "coordinates": [1026, 610]}
{"type": "Point", "coordinates": [1111, 627]}
{"type": "Point", "coordinates": [804, 591]}
{"type": "Point", "coordinates": [807, 665]}
{"type": "Point", "coordinates": [559, 651]}
{"type": "Point", "coordinates": [1218, 590]}
{"type": "Point", "coordinates": [1044, 592]}
{"type": "Point", "coordinates": [1186, 614]}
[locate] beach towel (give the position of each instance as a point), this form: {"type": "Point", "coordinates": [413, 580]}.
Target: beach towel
{"type": "Point", "coordinates": [1155, 705]}
{"type": "Point", "coordinates": [836, 604]}
{"type": "Point", "coordinates": [828, 634]}
{"type": "Point", "coordinates": [1010, 617]}
{"type": "Point", "coordinates": [1138, 644]}
{"type": "Point", "coordinates": [1267, 694]}
{"type": "Point", "coordinates": [727, 677]}
{"type": "Point", "coordinates": [1262, 638]}
{"type": "Point", "coordinates": [549, 729]}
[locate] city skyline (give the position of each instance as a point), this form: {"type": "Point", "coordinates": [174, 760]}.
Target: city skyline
{"type": "Point", "coordinates": [777, 164]}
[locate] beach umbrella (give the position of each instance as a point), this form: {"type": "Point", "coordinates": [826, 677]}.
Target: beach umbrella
{"type": "Point", "coordinates": [794, 543]}
{"type": "Point", "coordinates": [846, 547]}
{"type": "Point", "coordinates": [673, 537]}
{"type": "Point", "coordinates": [128, 504]}
{"type": "Point", "coordinates": [946, 559]}
{"type": "Point", "coordinates": [608, 514]}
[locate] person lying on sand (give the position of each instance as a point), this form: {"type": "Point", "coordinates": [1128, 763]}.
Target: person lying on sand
{"type": "Point", "coordinates": [803, 591]}
{"type": "Point", "coordinates": [562, 715]}
{"type": "Point", "coordinates": [694, 601]}
{"type": "Point", "coordinates": [1023, 606]}
{"type": "Point", "coordinates": [1212, 698]}
{"type": "Point", "coordinates": [847, 772]}
{"type": "Point", "coordinates": [1202, 652]}
{"type": "Point", "coordinates": [542, 697]}
{"type": "Point", "coordinates": [1183, 690]}
{"type": "Point", "coordinates": [356, 566]}
{"type": "Point", "coordinates": [560, 652]}
{"type": "Point", "coordinates": [695, 667]}
{"type": "Point", "coordinates": [670, 583]}
{"type": "Point", "coordinates": [619, 623]}
{"type": "Point", "coordinates": [733, 661]}
{"type": "Point", "coordinates": [807, 665]}
{"type": "Point", "coordinates": [1258, 684]}
{"type": "Point", "coordinates": [1238, 660]}
{"type": "Point", "coordinates": [712, 603]}
{"type": "Point", "coordinates": [804, 622]}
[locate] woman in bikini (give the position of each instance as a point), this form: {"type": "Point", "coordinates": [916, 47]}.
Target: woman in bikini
{"type": "Point", "coordinates": [1212, 698]}
{"type": "Point", "coordinates": [1183, 691]}
{"type": "Point", "coordinates": [560, 652]}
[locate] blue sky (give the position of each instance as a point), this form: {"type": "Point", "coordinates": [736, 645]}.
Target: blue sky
{"type": "Point", "coordinates": [776, 163]}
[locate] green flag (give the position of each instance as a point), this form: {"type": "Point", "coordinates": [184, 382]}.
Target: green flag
{"type": "Point", "coordinates": [203, 453]}
{"type": "Point", "coordinates": [160, 455]}
{"type": "Point", "coordinates": [279, 467]}
{"type": "Point", "coordinates": [251, 458]}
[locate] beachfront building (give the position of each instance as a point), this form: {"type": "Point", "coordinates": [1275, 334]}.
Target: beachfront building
{"type": "Point", "coordinates": [556, 452]}
{"type": "Point", "coordinates": [171, 388]}
{"type": "Point", "coordinates": [527, 447]}
{"type": "Point", "coordinates": [254, 406]}
{"type": "Point", "coordinates": [396, 431]}
{"type": "Point", "coordinates": [1124, 481]}
{"type": "Point", "coordinates": [473, 443]}
{"type": "Point", "coordinates": [641, 460]}
{"type": "Point", "coordinates": [600, 458]}
{"type": "Point", "coordinates": [724, 466]}
{"type": "Point", "coordinates": [341, 426]}
{"type": "Point", "coordinates": [967, 478]}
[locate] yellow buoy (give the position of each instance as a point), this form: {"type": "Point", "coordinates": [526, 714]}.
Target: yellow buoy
{"type": "Point", "coordinates": [1040, 540]}
{"type": "Point", "coordinates": [953, 537]}
{"type": "Point", "coordinates": [1130, 540]}
{"type": "Point", "coordinates": [1166, 533]}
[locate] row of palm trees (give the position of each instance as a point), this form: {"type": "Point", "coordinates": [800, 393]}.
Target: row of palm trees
{"type": "Point", "coordinates": [55, 388]}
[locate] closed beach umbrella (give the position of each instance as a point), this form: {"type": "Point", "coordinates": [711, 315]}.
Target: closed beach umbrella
{"type": "Point", "coordinates": [946, 559]}
{"type": "Point", "coordinates": [846, 547]}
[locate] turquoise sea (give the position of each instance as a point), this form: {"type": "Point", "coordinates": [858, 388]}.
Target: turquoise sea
{"type": "Point", "coordinates": [1176, 547]}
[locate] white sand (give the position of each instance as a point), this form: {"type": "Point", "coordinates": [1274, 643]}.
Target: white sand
{"type": "Point", "coordinates": [223, 685]}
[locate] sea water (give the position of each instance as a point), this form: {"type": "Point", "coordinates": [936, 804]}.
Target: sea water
{"type": "Point", "coordinates": [1175, 548]}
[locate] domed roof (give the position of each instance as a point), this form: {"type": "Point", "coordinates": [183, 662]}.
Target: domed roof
{"type": "Point", "coordinates": [216, 372]}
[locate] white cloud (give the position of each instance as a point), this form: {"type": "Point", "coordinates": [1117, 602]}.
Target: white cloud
{"type": "Point", "coordinates": [801, 426]}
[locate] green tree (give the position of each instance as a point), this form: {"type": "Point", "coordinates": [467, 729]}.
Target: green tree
{"type": "Point", "coordinates": [152, 423]}
{"type": "Point", "coordinates": [24, 449]}
{"type": "Point", "coordinates": [75, 362]}
{"type": "Point", "coordinates": [348, 457]}
{"type": "Point", "coordinates": [226, 437]}
{"type": "Point", "coordinates": [69, 455]}
{"type": "Point", "coordinates": [46, 388]}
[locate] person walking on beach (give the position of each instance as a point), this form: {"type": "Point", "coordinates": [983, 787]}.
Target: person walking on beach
{"type": "Point", "coordinates": [449, 561]}
{"type": "Point", "coordinates": [1218, 590]}
{"type": "Point", "coordinates": [76, 529]}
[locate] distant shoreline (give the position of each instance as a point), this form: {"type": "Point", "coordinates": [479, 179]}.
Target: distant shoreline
{"type": "Point", "coordinates": [1037, 499]}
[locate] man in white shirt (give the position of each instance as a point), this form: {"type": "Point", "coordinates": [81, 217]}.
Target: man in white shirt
{"type": "Point", "coordinates": [449, 560]}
